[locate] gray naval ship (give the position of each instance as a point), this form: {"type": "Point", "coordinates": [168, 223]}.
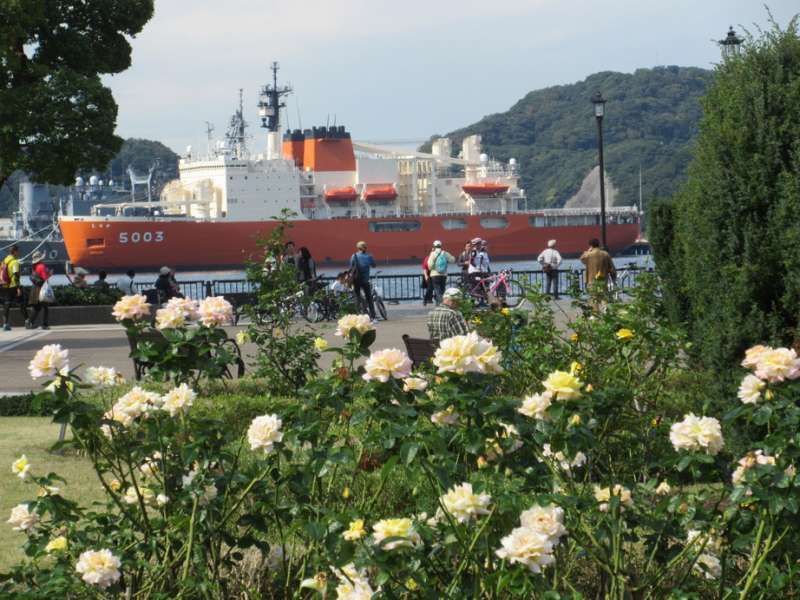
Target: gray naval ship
{"type": "Point", "coordinates": [34, 226]}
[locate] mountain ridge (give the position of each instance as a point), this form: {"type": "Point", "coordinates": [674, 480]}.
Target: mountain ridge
{"type": "Point", "coordinates": [652, 116]}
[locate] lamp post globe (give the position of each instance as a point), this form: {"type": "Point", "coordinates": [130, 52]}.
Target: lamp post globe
{"type": "Point", "coordinates": [730, 44]}
{"type": "Point", "coordinates": [599, 104]}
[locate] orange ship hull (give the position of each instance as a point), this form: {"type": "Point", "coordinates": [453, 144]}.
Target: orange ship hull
{"type": "Point", "coordinates": [119, 244]}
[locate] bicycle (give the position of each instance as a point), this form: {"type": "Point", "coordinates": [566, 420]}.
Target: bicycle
{"type": "Point", "coordinates": [377, 301]}
{"type": "Point", "coordinates": [496, 285]}
{"type": "Point", "coordinates": [623, 280]}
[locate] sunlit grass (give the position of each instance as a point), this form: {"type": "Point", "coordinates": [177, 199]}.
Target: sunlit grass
{"type": "Point", "coordinates": [33, 436]}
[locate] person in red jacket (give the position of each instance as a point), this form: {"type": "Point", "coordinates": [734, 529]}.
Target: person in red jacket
{"type": "Point", "coordinates": [39, 274]}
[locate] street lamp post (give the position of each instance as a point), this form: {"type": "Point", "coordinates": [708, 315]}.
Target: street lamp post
{"type": "Point", "coordinates": [599, 111]}
{"type": "Point", "coordinates": [730, 45]}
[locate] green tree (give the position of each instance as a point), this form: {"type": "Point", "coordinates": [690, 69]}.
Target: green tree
{"type": "Point", "coordinates": [729, 249]}
{"type": "Point", "coordinates": [55, 114]}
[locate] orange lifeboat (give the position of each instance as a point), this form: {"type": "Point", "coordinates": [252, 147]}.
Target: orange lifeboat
{"type": "Point", "coordinates": [380, 191]}
{"type": "Point", "coordinates": [341, 194]}
{"type": "Point", "coordinates": [485, 189]}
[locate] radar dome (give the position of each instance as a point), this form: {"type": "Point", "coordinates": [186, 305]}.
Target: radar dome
{"type": "Point", "coordinates": [79, 181]}
{"type": "Point", "coordinates": [188, 150]}
{"type": "Point", "coordinates": [483, 158]}
{"type": "Point", "coordinates": [101, 183]}
{"type": "Point", "coordinates": [512, 161]}
{"type": "Point", "coordinates": [93, 180]}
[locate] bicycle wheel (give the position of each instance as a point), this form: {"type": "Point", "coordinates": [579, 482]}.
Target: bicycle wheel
{"type": "Point", "coordinates": [380, 308]}
{"type": "Point", "coordinates": [313, 312]}
{"type": "Point", "coordinates": [509, 300]}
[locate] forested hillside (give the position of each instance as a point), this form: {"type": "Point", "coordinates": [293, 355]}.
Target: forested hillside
{"type": "Point", "coordinates": [140, 154]}
{"type": "Point", "coordinates": [651, 119]}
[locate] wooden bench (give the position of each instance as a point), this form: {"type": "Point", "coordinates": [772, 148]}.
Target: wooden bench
{"type": "Point", "coordinates": [140, 367]}
{"type": "Point", "coordinates": [419, 350]}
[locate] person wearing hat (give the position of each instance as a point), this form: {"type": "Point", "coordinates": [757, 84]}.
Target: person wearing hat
{"type": "Point", "coordinates": [79, 279]}
{"type": "Point", "coordinates": [445, 321]}
{"type": "Point", "coordinates": [360, 264]}
{"type": "Point", "coordinates": [166, 285]}
{"type": "Point", "coordinates": [10, 286]}
{"type": "Point", "coordinates": [39, 274]}
{"type": "Point", "coordinates": [550, 260]}
{"type": "Point", "coordinates": [437, 261]}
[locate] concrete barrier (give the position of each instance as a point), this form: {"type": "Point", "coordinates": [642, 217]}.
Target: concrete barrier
{"type": "Point", "coordinates": [69, 315]}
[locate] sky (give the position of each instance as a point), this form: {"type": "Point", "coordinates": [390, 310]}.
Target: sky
{"type": "Point", "coordinates": [398, 70]}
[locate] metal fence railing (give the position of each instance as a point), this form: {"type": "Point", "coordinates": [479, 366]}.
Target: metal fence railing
{"type": "Point", "coordinates": [402, 288]}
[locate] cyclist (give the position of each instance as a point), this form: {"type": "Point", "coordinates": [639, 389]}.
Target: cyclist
{"type": "Point", "coordinates": [479, 265]}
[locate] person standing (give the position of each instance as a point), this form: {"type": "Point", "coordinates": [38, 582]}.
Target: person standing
{"type": "Point", "coordinates": [463, 262]}
{"type": "Point", "coordinates": [360, 264]}
{"type": "Point", "coordinates": [125, 283]}
{"type": "Point", "coordinates": [167, 285]}
{"type": "Point", "coordinates": [599, 266]}
{"type": "Point", "coordinates": [427, 298]}
{"type": "Point", "coordinates": [101, 283]}
{"type": "Point", "coordinates": [306, 270]}
{"type": "Point", "coordinates": [289, 256]}
{"type": "Point", "coordinates": [9, 285]}
{"type": "Point", "coordinates": [479, 266]}
{"type": "Point", "coordinates": [550, 260]}
{"type": "Point", "coordinates": [79, 280]}
{"type": "Point", "coordinates": [437, 261]}
{"type": "Point", "coordinates": [445, 321]}
{"type": "Point", "coordinates": [39, 275]}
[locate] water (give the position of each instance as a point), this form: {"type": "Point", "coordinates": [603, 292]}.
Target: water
{"type": "Point", "coordinates": [411, 269]}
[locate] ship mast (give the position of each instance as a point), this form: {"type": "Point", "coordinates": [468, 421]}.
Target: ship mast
{"type": "Point", "coordinates": [270, 103]}
{"type": "Point", "coordinates": [236, 137]}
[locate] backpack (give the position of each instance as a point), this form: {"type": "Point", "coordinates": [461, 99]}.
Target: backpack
{"type": "Point", "coordinates": [5, 276]}
{"type": "Point", "coordinates": [440, 262]}
{"type": "Point", "coordinates": [352, 273]}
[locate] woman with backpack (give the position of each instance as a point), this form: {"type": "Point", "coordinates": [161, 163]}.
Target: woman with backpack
{"type": "Point", "coordinates": [438, 260]}
{"type": "Point", "coordinates": [40, 301]}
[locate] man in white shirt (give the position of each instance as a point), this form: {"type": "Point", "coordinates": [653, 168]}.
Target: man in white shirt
{"type": "Point", "coordinates": [550, 260]}
{"type": "Point", "coordinates": [125, 283]}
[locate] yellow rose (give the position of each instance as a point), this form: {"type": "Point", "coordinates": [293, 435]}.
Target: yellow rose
{"type": "Point", "coordinates": [320, 344]}
{"type": "Point", "coordinates": [573, 337]}
{"type": "Point", "coordinates": [505, 312]}
{"type": "Point", "coordinates": [115, 485]}
{"type": "Point", "coordinates": [242, 337]}
{"type": "Point", "coordinates": [575, 420]}
{"type": "Point", "coordinates": [563, 385]}
{"type": "Point", "coordinates": [624, 334]}
{"type": "Point", "coordinates": [355, 531]}
{"type": "Point", "coordinates": [482, 463]}
{"type": "Point", "coordinates": [346, 493]}
{"type": "Point", "coordinates": [575, 368]}
{"type": "Point", "coordinates": [56, 544]}
{"type": "Point", "coordinates": [589, 388]}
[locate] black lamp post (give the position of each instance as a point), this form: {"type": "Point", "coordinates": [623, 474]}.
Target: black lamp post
{"type": "Point", "coordinates": [599, 112]}
{"type": "Point", "coordinates": [730, 45]}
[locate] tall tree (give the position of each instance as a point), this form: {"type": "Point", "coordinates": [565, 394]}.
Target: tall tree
{"type": "Point", "coordinates": [55, 114]}
{"type": "Point", "coordinates": [730, 246]}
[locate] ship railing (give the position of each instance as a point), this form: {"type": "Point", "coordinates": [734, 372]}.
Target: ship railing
{"type": "Point", "coordinates": [408, 287]}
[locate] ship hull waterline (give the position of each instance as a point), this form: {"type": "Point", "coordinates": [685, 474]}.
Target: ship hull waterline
{"type": "Point", "coordinates": [119, 244]}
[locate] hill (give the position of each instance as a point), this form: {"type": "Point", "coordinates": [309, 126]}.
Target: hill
{"type": "Point", "coordinates": [651, 120]}
{"type": "Point", "coordinates": [137, 153]}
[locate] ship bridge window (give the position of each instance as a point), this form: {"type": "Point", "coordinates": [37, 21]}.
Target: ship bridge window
{"type": "Point", "coordinates": [454, 224]}
{"type": "Point", "coordinates": [564, 220]}
{"type": "Point", "coordinates": [384, 226]}
{"type": "Point", "coordinates": [494, 222]}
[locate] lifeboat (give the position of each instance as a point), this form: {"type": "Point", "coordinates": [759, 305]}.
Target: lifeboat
{"type": "Point", "coordinates": [382, 191]}
{"type": "Point", "coordinates": [341, 194]}
{"type": "Point", "coordinates": [484, 189]}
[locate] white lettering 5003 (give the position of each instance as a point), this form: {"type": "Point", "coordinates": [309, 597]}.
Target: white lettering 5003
{"type": "Point", "coordinates": [144, 237]}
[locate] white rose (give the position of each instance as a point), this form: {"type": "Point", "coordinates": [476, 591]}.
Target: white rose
{"type": "Point", "coordinates": [385, 364]}
{"type": "Point", "coordinates": [99, 567]}
{"type": "Point", "coordinates": [527, 547]}
{"type": "Point", "coordinates": [750, 389]}
{"type": "Point", "coordinates": [463, 504]}
{"type": "Point", "coordinates": [547, 520]}
{"type": "Point", "coordinates": [264, 431]}
{"type": "Point", "coordinates": [416, 384]}
{"type": "Point", "coordinates": [103, 377]}
{"type": "Point", "coordinates": [348, 323]}
{"type": "Point", "coordinates": [395, 528]}
{"type": "Point", "coordinates": [131, 307]}
{"type": "Point", "coordinates": [697, 434]}
{"type": "Point", "coordinates": [215, 311]}
{"type": "Point", "coordinates": [178, 400]}
{"type": "Point", "coordinates": [22, 519]}
{"type": "Point", "coordinates": [50, 361]}
{"type": "Point", "coordinates": [536, 405]}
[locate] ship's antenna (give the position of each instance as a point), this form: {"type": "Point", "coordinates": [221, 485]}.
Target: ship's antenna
{"type": "Point", "coordinates": [209, 137]}
{"type": "Point", "coordinates": [270, 103]}
{"type": "Point", "coordinates": [299, 120]}
{"type": "Point", "coordinates": [328, 120]}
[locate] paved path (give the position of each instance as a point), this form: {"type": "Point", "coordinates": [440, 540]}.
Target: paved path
{"type": "Point", "coordinates": [93, 345]}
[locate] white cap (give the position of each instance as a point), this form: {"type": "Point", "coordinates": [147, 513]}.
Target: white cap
{"type": "Point", "coordinates": [437, 244]}
{"type": "Point", "coordinates": [81, 271]}
{"type": "Point", "coordinates": [551, 244]}
{"type": "Point", "coordinates": [164, 271]}
{"type": "Point", "coordinates": [452, 293]}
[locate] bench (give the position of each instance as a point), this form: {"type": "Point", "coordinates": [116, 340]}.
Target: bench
{"type": "Point", "coordinates": [419, 350]}
{"type": "Point", "coordinates": [140, 367]}
{"type": "Point", "coordinates": [238, 301]}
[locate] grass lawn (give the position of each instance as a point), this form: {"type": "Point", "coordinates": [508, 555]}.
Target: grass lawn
{"type": "Point", "coordinates": [33, 436]}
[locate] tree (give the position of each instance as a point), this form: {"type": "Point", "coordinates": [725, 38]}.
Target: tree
{"type": "Point", "coordinates": [55, 114]}
{"type": "Point", "coordinates": [729, 249]}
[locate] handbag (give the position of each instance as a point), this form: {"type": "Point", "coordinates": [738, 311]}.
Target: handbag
{"type": "Point", "coordinates": [36, 280]}
{"type": "Point", "coordinates": [46, 294]}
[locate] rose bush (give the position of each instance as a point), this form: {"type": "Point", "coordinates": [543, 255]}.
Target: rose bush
{"type": "Point", "coordinates": [530, 465]}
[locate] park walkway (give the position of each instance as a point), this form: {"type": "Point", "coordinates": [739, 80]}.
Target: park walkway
{"type": "Point", "coordinates": [93, 345]}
